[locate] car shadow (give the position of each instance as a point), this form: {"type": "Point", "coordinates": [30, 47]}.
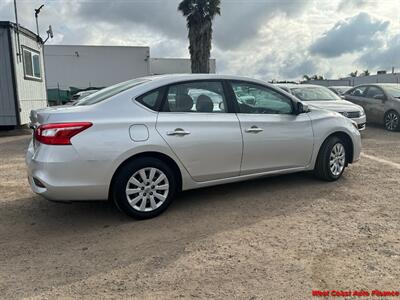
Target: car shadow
{"type": "Point", "coordinates": [89, 238]}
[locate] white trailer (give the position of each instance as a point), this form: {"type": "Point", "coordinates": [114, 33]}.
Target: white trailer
{"type": "Point", "coordinates": [22, 77]}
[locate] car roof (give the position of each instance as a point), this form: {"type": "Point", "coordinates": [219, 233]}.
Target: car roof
{"type": "Point", "coordinates": [293, 85]}
{"type": "Point", "coordinates": [176, 78]}
{"type": "Point", "coordinates": [182, 77]}
{"type": "Point", "coordinates": [287, 85]}
{"type": "Point", "coordinates": [379, 84]}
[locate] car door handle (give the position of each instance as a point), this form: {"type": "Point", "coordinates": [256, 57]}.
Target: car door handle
{"type": "Point", "coordinates": [254, 129]}
{"type": "Point", "coordinates": [178, 131]}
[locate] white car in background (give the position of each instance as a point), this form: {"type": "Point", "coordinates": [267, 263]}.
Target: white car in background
{"type": "Point", "coordinates": [322, 97]}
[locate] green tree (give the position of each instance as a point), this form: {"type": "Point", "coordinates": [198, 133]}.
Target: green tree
{"type": "Point", "coordinates": [306, 77]}
{"type": "Point", "coordinates": [365, 73]}
{"type": "Point", "coordinates": [317, 77]}
{"type": "Point", "coordinates": [354, 74]}
{"type": "Point", "coordinates": [199, 16]}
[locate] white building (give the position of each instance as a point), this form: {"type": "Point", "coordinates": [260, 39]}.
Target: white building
{"type": "Point", "coordinates": [160, 66]}
{"type": "Point", "coordinates": [70, 67]}
{"type": "Point", "coordinates": [354, 81]}
{"type": "Point", "coordinates": [93, 66]}
{"type": "Point", "coordinates": [22, 79]}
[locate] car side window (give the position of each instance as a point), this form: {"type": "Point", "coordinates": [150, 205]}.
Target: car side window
{"type": "Point", "coordinates": [150, 99]}
{"type": "Point", "coordinates": [358, 91]}
{"type": "Point", "coordinates": [196, 97]}
{"type": "Point", "coordinates": [374, 91]}
{"type": "Point", "coordinates": [257, 99]}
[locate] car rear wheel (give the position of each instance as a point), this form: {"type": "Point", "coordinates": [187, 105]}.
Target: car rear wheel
{"type": "Point", "coordinates": [144, 188]}
{"type": "Point", "coordinates": [331, 160]}
{"type": "Point", "coordinates": [392, 121]}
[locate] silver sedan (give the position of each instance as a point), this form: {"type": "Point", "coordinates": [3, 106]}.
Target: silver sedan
{"type": "Point", "coordinates": [141, 142]}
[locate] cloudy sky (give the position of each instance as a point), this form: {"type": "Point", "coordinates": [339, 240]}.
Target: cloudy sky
{"type": "Point", "coordinates": [267, 39]}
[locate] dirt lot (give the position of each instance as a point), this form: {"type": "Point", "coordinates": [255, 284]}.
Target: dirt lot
{"type": "Point", "coordinates": [271, 238]}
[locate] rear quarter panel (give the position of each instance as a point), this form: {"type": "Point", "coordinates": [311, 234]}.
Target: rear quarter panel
{"type": "Point", "coordinates": [108, 142]}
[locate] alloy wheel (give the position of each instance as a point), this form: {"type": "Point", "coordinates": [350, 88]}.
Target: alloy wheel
{"type": "Point", "coordinates": [147, 189]}
{"type": "Point", "coordinates": [391, 121]}
{"type": "Point", "coordinates": [337, 159]}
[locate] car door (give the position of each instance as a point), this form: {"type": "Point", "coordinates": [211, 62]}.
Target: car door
{"type": "Point", "coordinates": [375, 103]}
{"type": "Point", "coordinates": [274, 138]}
{"type": "Point", "coordinates": [196, 124]}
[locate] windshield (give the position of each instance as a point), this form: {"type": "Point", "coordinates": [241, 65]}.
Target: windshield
{"type": "Point", "coordinates": [109, 92]}
{"type": "Point", "coordinates": [342, 89]}
{"type": "Point", "coordinates": [316, 93]}
{"type": "Point", "coordinates": [393, 91]}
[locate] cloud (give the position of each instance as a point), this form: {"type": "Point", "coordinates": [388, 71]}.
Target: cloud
{"type": "Point", "coordinates": [351, 4]}
{"type": "Point", "coordinates": [385, 57]}
{"type": "Point", "coordinates": [350, 35]}
{"type": "Point", "coordinates": [239, 21]}
{"type": "Point", "coordinates": [257, 38]}
{"type": "Point", "coordinates": [293, 68]}
{"type": "Point", "coordinates": [161, 16]}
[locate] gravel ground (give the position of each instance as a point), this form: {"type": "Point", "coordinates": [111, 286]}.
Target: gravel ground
{"type": "Point", "coordinates": [270, 238]}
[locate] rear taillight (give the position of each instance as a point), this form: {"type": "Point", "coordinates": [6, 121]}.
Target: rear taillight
{"type": "Point", "coordinates": [59, 133]}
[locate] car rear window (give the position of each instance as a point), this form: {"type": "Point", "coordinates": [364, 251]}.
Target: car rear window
{"type": "Point", "coordinates": [110, 91]}
{"type": "Point", "coordinates": [393, 91]}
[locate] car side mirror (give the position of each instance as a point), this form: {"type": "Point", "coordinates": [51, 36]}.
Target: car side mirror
{"type": "Point", "coordinates": [380, 97]}
{"type": "Point", "coordinates": [302, 108]}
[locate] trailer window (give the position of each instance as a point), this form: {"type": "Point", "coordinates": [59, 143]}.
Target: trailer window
{"type": "Point", "coordinates": [32, 64]}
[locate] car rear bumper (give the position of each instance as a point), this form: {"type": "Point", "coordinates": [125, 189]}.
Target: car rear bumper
{"type": "Point", "coordinates": [57, 174]}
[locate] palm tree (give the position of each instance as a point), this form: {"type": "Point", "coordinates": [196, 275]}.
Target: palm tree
{"type": "Point", "coordinates": [354, 74]}
{"type": "Point", "coordinates": [199, 16]}
{"type": "Point", "coordinates": [365, 73]}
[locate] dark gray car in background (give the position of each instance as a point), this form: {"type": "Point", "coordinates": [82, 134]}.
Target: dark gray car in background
{"type": "Point", "coordinates": [339, 90]}
{"type": "Point", "coordinates": [381, 102]}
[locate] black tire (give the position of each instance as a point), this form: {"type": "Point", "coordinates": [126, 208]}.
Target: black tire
{"type": "Point", "coordinates": [127, 171]}
{"type": "Point", "coordinates": [390, 126]}
{"type": "Point", "coordinates": [322, 168]}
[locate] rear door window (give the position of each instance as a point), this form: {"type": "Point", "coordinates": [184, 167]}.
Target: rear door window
{"type": "Point", "coordinates": [196, 97]}
{"type": "Point", "coordinates": [373, 91]}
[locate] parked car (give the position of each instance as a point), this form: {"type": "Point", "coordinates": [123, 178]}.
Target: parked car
{"type": "Point", "coordinates": [381, 102]}
{"type": "Point", "coordinates": [339, 90]}
{"type": "Point", "coordinates": [142, 141]}
{"type": "Point", "coordinates": [322, 97]}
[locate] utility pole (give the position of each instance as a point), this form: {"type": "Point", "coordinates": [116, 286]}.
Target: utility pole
{"type": "Point", "coordinates": [16, 21]}
{"type": "Point", "coordinates": [37, 11]}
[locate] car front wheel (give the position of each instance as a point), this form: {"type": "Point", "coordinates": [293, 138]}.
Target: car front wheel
{"type": "Point", "coordinates": [144, 188]}
{"type": "Point", "coordinates": [392, 121]}
{"type": "Point", "coordinates": [331, 160]}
